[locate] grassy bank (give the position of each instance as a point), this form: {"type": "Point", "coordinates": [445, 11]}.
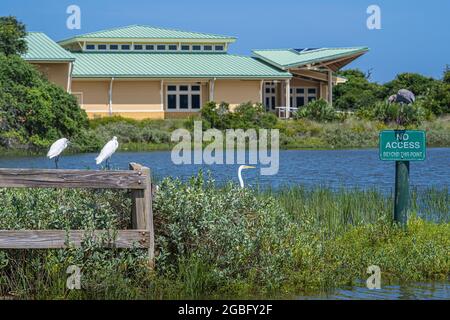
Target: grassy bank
{"type": "Point", "coordinates": [154, 135]}
{"type": "Point", "coordinates": [227, 242]}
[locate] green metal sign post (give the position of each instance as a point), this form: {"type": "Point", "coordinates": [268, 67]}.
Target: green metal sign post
{"type": "Point", "coordinates": [402, 146]}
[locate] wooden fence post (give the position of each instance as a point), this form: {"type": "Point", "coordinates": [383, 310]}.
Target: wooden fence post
{"type": "Point", "coordinates": [142, 212]}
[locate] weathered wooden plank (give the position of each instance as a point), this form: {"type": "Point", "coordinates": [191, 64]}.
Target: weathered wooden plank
{"type": "Point", "coordinates": [53, 239]}
{"type": "Point", "coordinates": [142, 213]}
{"type": "Point", "coordinates": [93, 179]}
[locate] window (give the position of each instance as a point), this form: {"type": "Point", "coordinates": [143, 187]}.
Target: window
{"type": "Point", "coordinates": [302, 96]}
{"type": "Point", "coordinates": [90, 47]}
{"type": "Point", "coordinates": [173, 47]}
{"type": "Point", "coordinates": [195, 101]}
{"type": "Point", "coordinates": [149, 47]}
{"type": "Point", "coordinates": [184, 101]}
{"type": "Point", "coordinates": [138, 47]}
{"type": "Point", "coordinates": [113, 47]}
{"type": "Point", "coordinates": [218, 48]}
{"type": "Point", "coordinates": [312, 94]}
{"type": "Point", "coordinates": [184, 97]}
{"type": "Point", "coordinates": [196, 48]}
{"type": "Point", "coordinates": [270, 96]}
{"type": "Point", "coordinates": [171, 101]}
{"type": "Point", "coordinates": [161, 47]}
{"type": "Point", "coordinates": [185, 47]}
{"type": "Point", "coordinates": [125, 47]}
{"type": "Point", "coordinates": [207, 48]}
{"type": "Point", "coordinates": [101, 47]}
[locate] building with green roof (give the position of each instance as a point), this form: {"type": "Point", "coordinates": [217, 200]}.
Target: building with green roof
{"type": "Point", "coordinates": [147, 72]}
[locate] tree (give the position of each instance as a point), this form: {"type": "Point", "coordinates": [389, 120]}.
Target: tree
{"type": "Point", "coordinates": [12, 36]}
{"type": "Point", "coordinates": [446, 78]}
{"type": "Point", "coordinates": [34, 111]}
{"type": "Point", "coordinates": [417, 83]}
{"type": "Point", "coordinates": [357, 92]}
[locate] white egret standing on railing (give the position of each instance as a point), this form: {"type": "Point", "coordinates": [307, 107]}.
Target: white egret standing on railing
{"type": "Point", "coordinates": [107, 151]}
{"type": "Point", "coordinates": [241, 181]}
{"type": "Point", "coordinates": [56, 149]}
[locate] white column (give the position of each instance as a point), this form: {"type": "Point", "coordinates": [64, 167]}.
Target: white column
{"type": "Point", "coordinates": [212, 83]}
{"type": "Point", "coordinates": [161, 93]}
{"type": "Point", "coordinates": [110, 96]}
{"type": "Point", "coordinates": [261, 92]}
{"type": "Point", "coordinates": [288, 98]}
{"type": "Point", "coordinates": [69, 78]}
{"type": "Point", "coordinates": [330, 87]}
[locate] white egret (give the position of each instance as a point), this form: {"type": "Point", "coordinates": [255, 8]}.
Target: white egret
{"type": "Point", "coordinates": [107, 151]}
{"type": "Point", "coordinates": [56, 149]}
{"type": "Point", "coordinates": [241, 181]}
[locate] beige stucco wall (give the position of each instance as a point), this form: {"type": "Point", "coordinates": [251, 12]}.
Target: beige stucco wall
{"type": "Point", "coordinates": [92, 96]}
{"type": "Point", "coordinates": [136, 96]}
{"type": "Point", "coordinates": [236, 92]}
{"type": "Point", "coordinates": [57, 73]}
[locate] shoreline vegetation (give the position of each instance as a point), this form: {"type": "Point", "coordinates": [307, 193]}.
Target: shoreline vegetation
{"type": "Point", "coordinates": [303, 134]}
{"type": "Point", "coordinates": [226, 242]}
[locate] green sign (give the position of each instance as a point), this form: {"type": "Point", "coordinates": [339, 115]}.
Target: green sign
{"type": "Point", "coordinates": [402, 145]}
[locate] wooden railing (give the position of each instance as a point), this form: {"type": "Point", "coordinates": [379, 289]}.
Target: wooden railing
{"type": "Point", "coordinates": [137, 179]}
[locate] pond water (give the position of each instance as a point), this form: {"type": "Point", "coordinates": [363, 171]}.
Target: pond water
{"type": "Point", "coordinates": [333, 168]}
{"type": "Point", "coordinates": [416, 291]}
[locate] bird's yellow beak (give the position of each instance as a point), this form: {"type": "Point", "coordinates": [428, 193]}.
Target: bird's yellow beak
{"type": "Point", "coordinates": [249, 167]}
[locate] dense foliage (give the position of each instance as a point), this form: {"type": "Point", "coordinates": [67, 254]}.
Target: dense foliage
{"type": "Point", "coordinates": [12, 36]}
{"type": "Point", "coordinates": [225, 242]}
{"type": "Point", "coordinates": [245, 115]}
{"type": "Point", "coordinates": [319, 110]}
{"type": "Point", "coordinates": [359, 93]}
{"type": "Point", "coordinates": [32, 110]}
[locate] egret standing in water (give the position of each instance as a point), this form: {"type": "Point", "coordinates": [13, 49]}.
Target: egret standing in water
{"type": "Point", "coordinates": [107, 151]}
{"type": "Point", "coordinates": [56, 149]}
{"type": "Point", "coordinates": [241, 181]}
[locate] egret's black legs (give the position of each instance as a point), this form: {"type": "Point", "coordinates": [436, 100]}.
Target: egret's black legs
{"type": "Point", "coordinates": [56, 162]}
{"type": "Point", "coordinates": [107, 164]}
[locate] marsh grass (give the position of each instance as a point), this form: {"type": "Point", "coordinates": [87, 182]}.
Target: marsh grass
{"type": "Point", "coordinates": [225, 242]}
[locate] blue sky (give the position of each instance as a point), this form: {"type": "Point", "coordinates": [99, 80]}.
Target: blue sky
{"type": "Point", "coordinates": [414, 35]}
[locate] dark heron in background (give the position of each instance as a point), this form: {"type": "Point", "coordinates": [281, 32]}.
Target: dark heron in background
{"type": "Point", "coordinates": [402, 97]}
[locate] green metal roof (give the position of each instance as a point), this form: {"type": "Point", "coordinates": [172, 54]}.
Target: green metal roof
{"type": "Point", "coordinates": [172, 65]}
{"type": "Point", "coordinates": [42, 48]}
{"type": "Point", "coordinates": [285, 58]}
{"type": "Point", "coordinates": [147, 32]}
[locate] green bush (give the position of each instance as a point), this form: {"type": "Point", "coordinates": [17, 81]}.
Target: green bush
{"type": "Point", "coordinates": [235, 233]}
{"type": "Point", "coordinates": [318, 110]}
{"type": "Point", "coordinates": [222, 242]}
{"type": "Point", "coordinates": [401, 114]}
{"type": "Point", "coordinates": [246, 115]}
{"type": "Point", "coordinates": [357, 92]}
{"type": "Point", "coordinates": [32, 109]}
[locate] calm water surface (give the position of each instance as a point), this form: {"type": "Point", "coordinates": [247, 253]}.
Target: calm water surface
{"type": "Point", "coordinates": [417, 291]}
{"type": "Point", "coordinates": [334, 168]}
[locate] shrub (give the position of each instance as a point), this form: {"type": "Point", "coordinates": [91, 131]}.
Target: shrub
{"type": "Point", "coordinates": [402, 114]}
{"type": "Point", "coordinates": [235, 233]}
{"type": "Point", "coordinates": [215, 116]}
{"type": "Point", "coordinates": [318, 110]}
{"type": "Point", "coordinates": [246, 115]}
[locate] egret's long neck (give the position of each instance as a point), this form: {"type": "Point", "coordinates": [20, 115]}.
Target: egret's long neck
{"type": "Point", "coordinates": [241, 181]}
